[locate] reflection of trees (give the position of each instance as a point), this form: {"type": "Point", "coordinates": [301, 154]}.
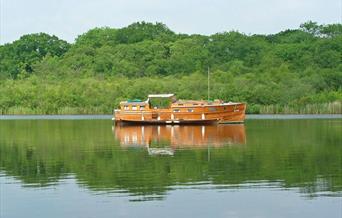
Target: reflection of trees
{"type": "Point", "coordinates": [302, 154]}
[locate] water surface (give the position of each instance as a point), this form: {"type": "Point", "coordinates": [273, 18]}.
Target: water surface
{"type": "Point", "coordinates": [86, 168]}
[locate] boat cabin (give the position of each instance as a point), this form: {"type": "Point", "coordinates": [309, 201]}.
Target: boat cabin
{"type": "Point", "coordinates": [155, 101]}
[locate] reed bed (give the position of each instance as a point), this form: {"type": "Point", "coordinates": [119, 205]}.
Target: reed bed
{"type": "Point", "coordinates": [60, 111]}
{"type": "Point", "coordinates": [319, 108]}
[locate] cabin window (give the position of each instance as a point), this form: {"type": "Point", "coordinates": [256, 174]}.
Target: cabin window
{"type": "Point", "coordinates": [195, 104]}
{"type": "Point", "coordinates": [142, 107]}
{"type": "Point", "coordinates": [126, 107]}
{"type": "Point", "coordinates": [212, 109]}
{"type": "Point", "coordinates": [176, 110]}
{"type": "Point", "coordinates": [134, 107]}
{"type": "Point", "coordinates": [190, 110]}
{"type": "Point", "coordinates": [224, 108]}
{"type": "Point", "coordinates": [180, 104]}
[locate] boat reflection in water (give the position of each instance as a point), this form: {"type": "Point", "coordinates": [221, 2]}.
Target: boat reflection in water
{"type": "Point", "coordinates": [164, 140]}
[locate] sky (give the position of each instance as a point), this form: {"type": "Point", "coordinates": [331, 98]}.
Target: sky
{"type": "Point", "coordinates": [69, 18]}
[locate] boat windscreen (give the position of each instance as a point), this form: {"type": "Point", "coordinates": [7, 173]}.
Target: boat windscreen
{"type": "Point", "coordinates": [134, 100]}
{"type": "Point", "coordinates": [159, 103]}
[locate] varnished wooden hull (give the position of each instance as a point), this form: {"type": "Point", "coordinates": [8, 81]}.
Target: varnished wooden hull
{"type": "Point", "coordinates": [208, 114]}
{"type": "Point", "coordinates": [169, 122]}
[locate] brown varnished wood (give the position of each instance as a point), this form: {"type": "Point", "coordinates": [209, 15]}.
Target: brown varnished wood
{"type": "Point", "coordinates": [181, 112]}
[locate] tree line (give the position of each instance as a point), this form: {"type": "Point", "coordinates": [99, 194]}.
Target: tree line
{"type": "Point", "coordinates": [293, 71]}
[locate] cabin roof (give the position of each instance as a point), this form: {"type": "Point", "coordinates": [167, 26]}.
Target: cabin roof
{"type": "Point", "coordinates": [161, 95]}
{"type": "Point", "coordinates": [133, 103]}
{"type": "Point", "coordinates": [190, 102]}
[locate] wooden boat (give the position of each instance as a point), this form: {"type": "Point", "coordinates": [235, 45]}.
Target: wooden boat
{"type": "Point", "coordinates": [178, 111]}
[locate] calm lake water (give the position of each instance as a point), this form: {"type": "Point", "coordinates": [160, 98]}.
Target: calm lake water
{"type": "Point", "coordinates": [86, 168]}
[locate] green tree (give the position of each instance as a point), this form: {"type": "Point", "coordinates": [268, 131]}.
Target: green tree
{"type": "Point", "coordinates": [23, 53]}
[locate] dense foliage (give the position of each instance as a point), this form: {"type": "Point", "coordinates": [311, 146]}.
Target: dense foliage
{"type": "Point", "coordinates": [296, 71]}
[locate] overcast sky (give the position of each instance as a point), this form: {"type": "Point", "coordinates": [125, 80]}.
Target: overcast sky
{"type": "Point", "coordinates": [69, 18]}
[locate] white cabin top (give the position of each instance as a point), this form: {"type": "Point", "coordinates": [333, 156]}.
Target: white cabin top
{"type": "Point", "coordinates": [161, 95]}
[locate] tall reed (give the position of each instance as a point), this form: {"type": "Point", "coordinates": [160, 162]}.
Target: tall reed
{"type": "Point", "coordinates": [319, 108]}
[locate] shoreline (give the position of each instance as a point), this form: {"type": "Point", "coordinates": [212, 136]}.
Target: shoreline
{"type": "Point", "coordinates": [108, 117]}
